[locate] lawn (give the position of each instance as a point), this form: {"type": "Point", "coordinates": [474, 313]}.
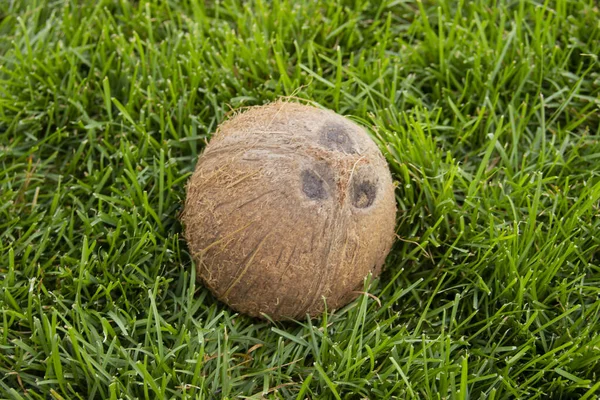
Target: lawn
{"type": "Point", "coordinates": [488, 113]}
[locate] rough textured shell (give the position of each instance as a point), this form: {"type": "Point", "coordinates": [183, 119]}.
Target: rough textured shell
{"type": "Point", "coordinates": [289, 205]}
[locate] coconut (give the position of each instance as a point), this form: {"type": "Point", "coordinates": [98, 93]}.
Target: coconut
{"type": "Point", "coordinates": [289, 209]}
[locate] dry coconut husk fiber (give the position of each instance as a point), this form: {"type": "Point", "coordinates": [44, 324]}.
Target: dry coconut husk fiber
{"type": "Point", "coordinates": [289, 209]}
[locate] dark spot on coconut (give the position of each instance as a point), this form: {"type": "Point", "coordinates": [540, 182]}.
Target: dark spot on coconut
{"type": "Point", "coordinates": [313, 185]}
{"type": "Point", "coordinates": [334, 136]}
{"type": "Point", "coordinates": [363, 193]}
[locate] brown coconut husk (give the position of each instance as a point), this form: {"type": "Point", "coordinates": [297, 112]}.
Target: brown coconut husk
{"type": "Point", "coordinates": [289, 209]}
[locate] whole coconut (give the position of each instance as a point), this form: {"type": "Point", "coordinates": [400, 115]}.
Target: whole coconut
{"type": "Point", "coordinates": [290, 207]}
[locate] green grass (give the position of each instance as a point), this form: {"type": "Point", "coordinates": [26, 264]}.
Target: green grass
{"type": "Point", "coordinates": [487, 111]}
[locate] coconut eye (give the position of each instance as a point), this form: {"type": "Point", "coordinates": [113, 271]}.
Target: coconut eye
{"type": "Point", "coordinates": [334, 136]}
{"type": "Point", "coordinates": [318, 182]}
{"type": "Point", "coordinates": [363, 193]}
{"type": "Point", "coordinates": [313, 185]}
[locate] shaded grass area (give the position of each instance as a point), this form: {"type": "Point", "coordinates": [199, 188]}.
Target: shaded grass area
{"type": "Point", "coordinates": [487, 113]}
